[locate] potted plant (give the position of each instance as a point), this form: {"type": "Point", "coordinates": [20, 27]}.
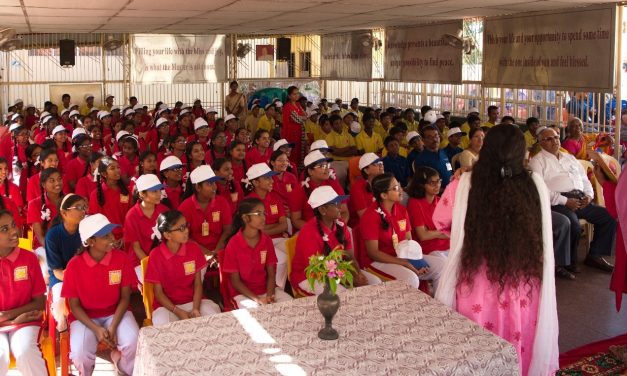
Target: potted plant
{"type": "Point", "coordinates": [332, 270]}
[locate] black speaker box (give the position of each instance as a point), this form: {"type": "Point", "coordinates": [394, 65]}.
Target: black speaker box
{"type": "Point", "coordinates": [283, 49]}
{"type": "Point", "coordinates": [67, 52]}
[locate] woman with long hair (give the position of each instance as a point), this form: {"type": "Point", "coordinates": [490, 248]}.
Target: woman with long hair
{"type": "Point", "coordinates": [32, 162]}
{"type": "Point", "coordinates": [293, 129]}
{"type": "Point", "coordinates": [175, 270]}
{"type": "Point", "coordinates": [227, 187]}
{"type": "Point", "coordinates": [371, 166]}
{"type": "Point", "coordinates": [500, 273]}
{"type": "Point", "coordinates": [249, 258]}
{"type": "Point", "coordinates": [261, 151]}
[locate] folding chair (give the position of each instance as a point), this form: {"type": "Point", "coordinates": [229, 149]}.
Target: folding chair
{"type": "Point", "coordinates": [226, 290]}
{"type": "Point", "coordinates": [290, 249]}
{"type": "Point", "coordinates": [148, 294]}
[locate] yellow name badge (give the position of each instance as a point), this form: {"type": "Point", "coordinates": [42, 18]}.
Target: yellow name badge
{"type": "Point", "coordinates": [402, 225]}
{"type": "Point", "coordinates": [123, 199]}
{"type": "Point", "coordinates": [263, 255]}
{"type": "Point", "coordinates": [189, 267]}
{"type": "Point", "coordinates": [20, 273]}
{"type": "Point", "coordinates": [274, 209]}
{"type": "Point", "coordinates": [115, 277]}
{"type": "Point", "coordinates": [215, 216]}
{"type": "Point", "coordinates": [288, 187]}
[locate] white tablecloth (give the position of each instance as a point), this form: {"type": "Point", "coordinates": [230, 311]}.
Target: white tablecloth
{"type": "Point", "coordinates": [390, 329]}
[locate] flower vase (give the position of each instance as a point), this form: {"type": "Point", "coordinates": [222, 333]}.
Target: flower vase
{"type": "Point", "coordinates": [328, 304]}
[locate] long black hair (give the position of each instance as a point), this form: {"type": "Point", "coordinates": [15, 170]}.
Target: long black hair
{"type": "Point", "coordinates": [339, 232]}
{"type": "Point", "coordinates": [211, 150]}
{"type": "Point", "coordinates": [416, 187]}
{"type": "Point", "coordinates": [244, 207]}
{"type": "Point", "coordinates": [77, 141]}
{"type": "Point", "coordinates": [6, 182]}
{"type": "Point", "coordinates": [380, 185]}
{"type": "Point", "coordinates": [188, 154]}
{"type": "Point", "coordinates": [142, 157]}
{"type": "Point", "coordinates": [102, 169]}
{"type": "Point", "coordinates": [276, 154]}
{"type": "Point", "coordinates": [165, 221]}
{"type": "Point", "coordinates": [217, 165]}
{"type": "Point", "coordinates": [45, 175]}
{"type": "Point", "coordinates": [67, 202]}
{"type": "Point", "coordinates": [30, 165]}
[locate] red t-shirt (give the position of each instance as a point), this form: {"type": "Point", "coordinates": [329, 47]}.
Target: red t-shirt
{"type": "Point", "coordinates": [254, 156]}
{"type": "Point", "coordinates": [239, 172]}
{"type": "Point", "coordinates": [139, 228]}
{"type": "Point", "coordinates": [300, 197]}
{"type": "Point", "coordinates": [309, 243]}
{"type": "Point", "coordinates": [212, 220]}
{"type": "Point", "coordinates": [174, 195]}
{"type": "Point", "coordinates": [33, 189]}
{"type": "Point", "coordinates": [98, 285]}
{"type": "Point", "coordinates": [34, 214]}
{"type": "Point", "coordinates": [360, 199]}
{"type": "Point", "coordinates": [421, 214]}
{"type": "Point", "coordinates": [274, 209]}
{"type": "Point", "coordinates": [175, 272]}
{"type": "Point", "coordinates": [233, 198]}
{"type": "Point", "coordinates": [128, 168]}
{"type": "Point", "coordinates": [20, 279]}
{"type": "Point", "coordinates": [75, 170]}
{"type": "Point", "coordinates": [85, 186]}
{"type": "Point", "coordinates": [370, 228]}
{"type": "Point", "coordinates": [15, 195]}
{"type": "Point", "coordinates": [291, 130]}
{"type": "Point", "coordinates": [250, 262]}
{"type": "Point", "coordinates": [285, 187]}
{"type": "Point", "coordinates": [115, 207]}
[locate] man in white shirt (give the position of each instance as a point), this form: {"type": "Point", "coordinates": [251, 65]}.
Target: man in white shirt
{"type": "Point", "coordinates": [571, 195]}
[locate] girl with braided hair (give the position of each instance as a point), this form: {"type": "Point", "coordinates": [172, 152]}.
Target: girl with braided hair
{"type": "Point", "coordinates": [10, 192]}
{"type": "Point", "coordinates": [227, 187]}
{"type": "Point", "coordinates": [78, 166]}
{"type": "Point", "coordinates": [87, 183]}
{"type": "Point", "coordinates": [47, 159]}
{"type": "Point", "coordinates": [325, 232]}
{"type": "Point", "coordinates": [43, 209]}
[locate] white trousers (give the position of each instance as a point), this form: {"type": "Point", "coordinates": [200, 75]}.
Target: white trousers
{"type": "Point", "coordinates": [58, 307]}
{"type": "Point", "coordinates": [243, 301]}
{"type": "Point", "coordinates": [281, 266]}
{"type": "Point", "coordinates": [399, 272]}
{"type": "Point", "coordinates": [83, 343]}
{"type": "Point", "coordinates": [437, 261]}
{"type": "Point", "coordinates": [43, 263]}
{"type": "Point", "coordinates": [25, 348]}
{"type": "Point", "coordinates": [162, 316]}
{"type": "Point", "coordinates": [319, 287]}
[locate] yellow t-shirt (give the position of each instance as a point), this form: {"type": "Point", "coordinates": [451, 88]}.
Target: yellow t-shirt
{"type": "Point", "coordinates": [310, 127]}
{"type": "Point", "coordinates": [529, 139]}
{"type": "Point", "coordinates": [340, 140]}
{"type": "Point", "coordinates": [320, 135]}
{"type": "Point", "coordinates": [378, 127]}
{"type": "Point", "coordinates": [251, 123]}
{"type": "Point", "coordinates": [465, 127]}
{"type": "Point", "coordinates": [265, 123]}
{"type": "Point", "coordinates": [84, 110]}
{"type": "Point", "coordinates": [369, 144]}
{"type": "Point", "coordinates": [444, 138]}
{"type": "Point", "coordinates": [413, 126]}
{"type": "Point", "coordinates": [488, 124]}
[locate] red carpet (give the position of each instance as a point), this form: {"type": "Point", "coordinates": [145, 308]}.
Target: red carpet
{"type": "Point", "coordinates": [593, 359]}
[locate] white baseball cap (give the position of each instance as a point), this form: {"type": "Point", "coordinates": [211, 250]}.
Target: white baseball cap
{"type": "Point", "coordinates": [46, 119]}
{"type": "Point", "coordinates": [128, 111]}
{"type": "Point", "coordinates": [148, 182]}
{"type": "Point", "coordinates": [355, 127]}
{"type": "Point", "coordinates": [109, 96]}
{"type": "Point", "coordinates": [368, 159]}
{"type": "Point", "coordinates": [102, 114]}
{"type": "Point", "coordinates": [95, 225]}
{"type": "Point", "coordinates": [72, 105]}
{"type": "Point", "coordinates": [138, 107]}
{"type": "Point", "coordinates": [324, 195]}
{"type": "Point", "coordinates": [440, 116]}
{"type": "Point", "coordinates": [255, 105]}
{"type": "Point", "coordinates": [409, 249]}
{"type": "Point", "coordinates": [18, 101]}
{"type": "Point", "coordinates": [74, 113]}
{"type": "Point", "coordinates": [44, 114]}
{"type": "Point", "coordinates": [278, 104]}
{"type": "Point", "coordinates": [230, 117]}
{"type": "Point", "coordinates": [203, 173]}
{"type": "Point", "coordinates": [315, 156]}
{"type": "Point", "coordinates": [115, 108]}
{"type": "Point", "coordinates": [259, 170]}
{"type": "Point", "coordinates": [431, 116]}
{"type": "Point", "coordinates": [121, 134]}
{"type": "Point", "coordinates": [212, 110]}
{"type": "Point", "coordinates": [455, 130]}
{"type": "Point", "coordinates": [184, 111]}
{"type": "Point", "coordinates": [86, 96]}
{"type": "Point", "coordinates": [15, 126]}
{"type": "Point", "coordinates": [57, 129]}
{"type": "Point", "coordinates": [319, 145]}
{"type": "Point", "coordinates": [334, 108]}
{"type": "Point", "coordinates": [16, 115]}
{"type": "Point", "coordinates": [473, 109]}
{"type": "Point", "coordinates": [78, 131]}
{"type": "Point", "coordinates": [161, 121]}
{"type": "Point", "coordinates": [94, 109]}
{"type": "Point", "coordinates": [411, 135]}
{"type": "Point", "coordinates": [200, 123]}
{"type": "Point", "coordinates": [280, 143]}
{"type": "Point", "coordinates": [65, 111]}
{"type": "Point", "coordinates": [266, 107]}
{"type": "Point", "coordinates": [30, 106]}
{"type": "Point", "coordinates": [162, 110]}
{"type": "Point", "coordinates": [169, 163]}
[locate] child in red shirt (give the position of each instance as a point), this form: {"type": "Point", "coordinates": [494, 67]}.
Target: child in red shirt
{"type": "Point", "coordinates": [97, 284]}
{"type": "Point", "coordinates": [129, 160]}
{"type": "Point", "coordinates": [78, 166]}
{"type": "Point", "coordinates": [227, 188]}
{"type": "Point", "coordinates": [43, 209]}
{"type": "Point", "coordinates": [86, 184]}
{"type": "Point", "coordinates": [261, 151]}
{"type": "Point", "coordinates": [175, 270]}
{"type": "Point", "coordinates": [47, 159]}
{"type": "Point", "coordinates": [249, 258]}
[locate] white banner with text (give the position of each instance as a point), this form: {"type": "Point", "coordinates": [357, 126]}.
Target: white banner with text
{"type": "Point", "coordinates": [178, 58]}
{"type": "Point", "coordinates": [571, 49]}
{"type": "Point", "coordinates": [419, 54]}
{"type": "Point", "coordinates": [346, 56]}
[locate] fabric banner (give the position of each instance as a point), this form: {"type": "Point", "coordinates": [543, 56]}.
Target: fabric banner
{"type": "Point", "coordinates": [178, 58]}
{"type": "Point", "coordinates": [571, 50]}
{"type": "Point", "coordinates": [346, 56]}
{"type": "Point", "coordinates": [419, 54]}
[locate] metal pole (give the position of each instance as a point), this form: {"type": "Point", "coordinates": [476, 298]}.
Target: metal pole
{"type": "Point", "coordinates": [617, 84]}
{"type": "Point", "coordinates": [104, 67]}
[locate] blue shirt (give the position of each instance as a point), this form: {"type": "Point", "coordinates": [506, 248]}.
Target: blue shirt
{"type": "Point", "coordinates": [60, 248]}
{"type": "Point", "coordinates": [398, 166]}
{"type": "Point", "coordinates": [452, 151]}
{"type": "Point", "coordinates": [438, 161]}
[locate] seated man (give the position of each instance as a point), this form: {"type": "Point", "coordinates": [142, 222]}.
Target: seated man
{"type": "Point", "coordinates": [395, 163]}
{"type": "Point", "coordinates": [433, 157]}
{"type": "Point", "coordinates": [571, 195]}
{"type": "Point", "coordinates": [342, 146]}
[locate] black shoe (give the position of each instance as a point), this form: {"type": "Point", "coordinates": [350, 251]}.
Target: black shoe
{"type": "Point", "coordinates": [599, 262]}
{"type": "Point", "coordinates": [573, 268]}
{"type": "Point", "coordinates": [562, 273]}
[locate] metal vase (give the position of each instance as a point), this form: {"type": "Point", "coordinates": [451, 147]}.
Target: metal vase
{"type": "Point", "coordinates": [328, 304]}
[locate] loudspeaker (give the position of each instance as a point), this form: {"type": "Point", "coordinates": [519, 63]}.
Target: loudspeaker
{"type": "Point", "coordinates": [67, 52]}
{"type": "Point", "coordinates": [283, 49]}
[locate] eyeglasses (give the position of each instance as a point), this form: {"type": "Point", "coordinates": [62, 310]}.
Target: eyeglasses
{"type": "Point", "coordinates": [395, 188]}
{"type": "Point", "coordinates": [435, 182]}
{"type": "Point", "coordinates": [323, 166]}
{"type": "Point", "coordinates": [82, 208]}
{"type": "Point", "coordinates": [175, 169]}
{"type": "Point", "coordinates": [85, 146]}
{"type": "Point", "coordinates": [220, 138]}
{"type": "Point", "coordinates": [377, 164]}
{"type": "Point", "coordinates": [257, 213]}
{"type": "Point", "coordinates": [181, 228]}
{"type": "Point", "coordinates": [181, 142]}
{"type": "Point", "coordinates": [554, 138]}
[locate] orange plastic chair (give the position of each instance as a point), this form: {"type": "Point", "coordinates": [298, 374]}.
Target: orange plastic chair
{"type": "Point", "coordinates": [353, 169]}
{"type": "Point", "coordinates": [290, 249]}
{"type": "Point", "coordinates": [148, 294]}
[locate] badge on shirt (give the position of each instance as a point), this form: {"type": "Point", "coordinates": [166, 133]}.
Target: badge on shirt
{"type": "Point", "coordinates": [20, 273]}
{"type": "Point", "coordinates": [402, 225]}
{"type": "Point", "coordinates": [215, 216]}
{"type": "Point", "coordinates": [205, 228]}
{"type": "Point", "coordinates": [448, 166]}
{"type": "Point", "coordinates": [123, 199]}
{"type": "Point", "coordinates": [189, 267]}
{"type": "Point", "coordinates": [274, 210]}
{"type": "Point", "coordinates": [263, 254]}
{"type": "Point", "coordinates": [288, 187]}
{"type": "Point", "coordinates": [115, 277]}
